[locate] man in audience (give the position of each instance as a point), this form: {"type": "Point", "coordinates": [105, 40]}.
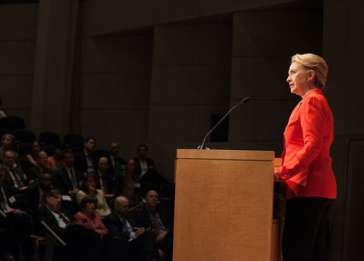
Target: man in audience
{"type": "Point", "coordinates": [16, 177]}
{"type": "Point", "coordinates": [68, 180]}
{"type": "Point", "coordinates": [144, 163]}
{"type": "Point", "coordinates": [7, 143]}
{"type": "Point", "coordinates": [15, 222]}
{"type": "Point", "coordinates": [148, 216]}
{"type": "Point", "coordinates": [37, 191]}
{"type": "Point", "coordinates": [133, 242]}
{"type": "Point", "coordinates": [147, 175]}
{"type": "Point", "coordinates": [117, 164]}
{"type": "Point", "coordinates": [53, 222]}
{"type": "Point", "coordinates": [41, 167]}
{"type": "Point", "coordinates": [105, 180]}
{"type": "Point", "coordinates": [85, 160]}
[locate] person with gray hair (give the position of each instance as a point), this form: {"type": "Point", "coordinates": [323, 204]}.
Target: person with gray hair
{"type": "Point", "coordinates": [306, 169]}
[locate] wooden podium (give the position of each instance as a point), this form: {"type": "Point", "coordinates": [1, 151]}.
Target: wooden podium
{"type": "Point", "coordinates": [223, 208]}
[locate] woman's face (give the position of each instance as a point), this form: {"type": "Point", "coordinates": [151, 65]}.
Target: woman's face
{"type": "Point", "coordinates": [90, 209]}
{"type": "Point", "coordinates": [299, 79]}
{"type": "Point", "coordinates": [91, 182]}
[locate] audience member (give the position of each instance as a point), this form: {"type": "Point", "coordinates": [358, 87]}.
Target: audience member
{"type": "Point", "coordinates": [104, 178]}
{"type": "Point", "coordinates": [16, 177]}
{"type": "Point", "coordinates": [144, 164]}
{"type": "Point", "coordinates": [95, 230]}
{"type": "Point", "coordinates": [131, 241]}
{"type": "Point", "coordinates": [148, 216]}
{"type": "Point", "coordinates": [53, 223]}
{"type": "Point", "coordinates": [88, 217]}
{"type": "Point", "coordinates": [126, 185]}
{"type": "Point", "coordinates": [56, 161]}
{"type": "Point", "coordinates": [68, 179]}
{"type": "Point", "coordinates": [117, 164]}
{"type": "Point", "coordinates": [85, 160]}
{"type": "Point", "coordinates": [89, 189]}
{"type": "Point", "coordinates": [37, 191]}
{"type": "Point", "coordinates": [15, 222]}
{"type": "Point", "coordinates": [41, 167]}
{"type": "Point", "coordinates": [7, 143]}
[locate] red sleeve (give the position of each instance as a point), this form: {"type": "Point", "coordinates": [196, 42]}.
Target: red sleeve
{"type": "Point", "coordinates": [100, 227]}
{"type": "Point", "coordinates": [312, 121]}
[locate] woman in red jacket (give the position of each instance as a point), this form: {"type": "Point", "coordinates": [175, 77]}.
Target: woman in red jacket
{"type": "Point", "coordinates": [306, 164]}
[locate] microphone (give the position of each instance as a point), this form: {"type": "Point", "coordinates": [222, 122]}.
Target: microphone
{"type": "Point", "coordinates": [241, 101]}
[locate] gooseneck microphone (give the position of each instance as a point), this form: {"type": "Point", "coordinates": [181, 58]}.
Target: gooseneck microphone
{"type": "Point", "coordinates": [241, 101]}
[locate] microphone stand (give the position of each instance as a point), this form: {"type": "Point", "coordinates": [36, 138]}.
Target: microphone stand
{"type": "Point", "coordinates": [243, 100]}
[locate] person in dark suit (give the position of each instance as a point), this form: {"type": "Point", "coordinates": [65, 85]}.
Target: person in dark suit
{"type": "Point", "coordinates": [15, 222]}
{"type": "Point", "coordinates": [41, 167]}
{"type": "Point", "coordinates": [7, 143]}
{"type": "Point", "coordinates": [144, 164]}
{"type": "Point", "coordinates": [147, 215]}
{"type": "Point", "coordinates": [104, 176]}
{"type": "Point", "coordinates": [147, 176]}
{"type": "Point", "coordinates": [117, 164]}
{"type": "Point", "coordinates": [85, 161]}
{"type": "Point", "coordinates": [34, 195]}
{"type": "Point", "coordinates": [131, 241]}
{"type": "Point", "coordinates": [56, 220]}
{"type": "Point", "coordinates": [16, 176]}
{"type": "Point", "coordinates": [68, 179]}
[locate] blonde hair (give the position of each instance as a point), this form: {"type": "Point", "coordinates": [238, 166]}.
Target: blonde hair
{"type": "Point", "coordinates": [313, 62]}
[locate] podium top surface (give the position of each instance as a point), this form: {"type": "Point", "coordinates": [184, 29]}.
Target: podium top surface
{"type": "Point", "coordinates": [255, 155]}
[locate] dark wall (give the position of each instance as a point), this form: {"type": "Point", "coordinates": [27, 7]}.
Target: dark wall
{"type": "Point", "coordinates": [18, 24]}
{"type": "Point", "coordinates": [114, 16]}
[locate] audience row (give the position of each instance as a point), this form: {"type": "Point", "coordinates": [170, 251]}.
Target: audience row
{"type": "Point", "coordinates": [81, 203]}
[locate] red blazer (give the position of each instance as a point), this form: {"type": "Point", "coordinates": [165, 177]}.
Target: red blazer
{"type": "Point", "coordinates": [94, 223]}
{"type": "Point", "coordinates": [306, 163]}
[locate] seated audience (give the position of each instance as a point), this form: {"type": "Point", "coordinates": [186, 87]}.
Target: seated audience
{"type": "Point", "coordinates": [88, 217]}
{"type": "Point", "coordinates": [52, 222]}
{"type": "Point", "coordinates": [85, 160]}
{"type": "Point", "coordinates": [89, 189]}
{"type": "Point", "coordinates": [117, 164]}
{"type": "Point", "coordinates": [95, 230]}
{"type": "Point", "coordinates": [148, 216]}
{"type": "Point", "coordinates": [144, 164]}
{"type": "Point", "coordinates": [68, 179]}
{"type": "Point", "coordinates": [56, 161]}
{"type": "Point", "coordinates": [104, 178]}
{"type": "Point", "coordinates": [41, 167]}
{"type": "Point", "coordinates": [16, 177]}
{"type": "Point", "coordinates": [125, 185]}
{"type": "Point", "coordinates": [147, 175]}
{"type": "Point", "coordinates": [36, 192]}
{"type": "Point", "coordinates": [132, 242]}
{"type": "Point", "coordinates": [7, 143]}
{"type": "Point", "coordinates": [32, 157]}
{"type": "Point", "coordinates": [15, 222]}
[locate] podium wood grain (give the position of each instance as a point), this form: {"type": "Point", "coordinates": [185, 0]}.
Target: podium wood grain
{"type": "Point", "coordinates": [223, 207]}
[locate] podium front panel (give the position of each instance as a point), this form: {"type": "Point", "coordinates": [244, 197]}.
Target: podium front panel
{"type": "Point", "coordinates": [223, 207]}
